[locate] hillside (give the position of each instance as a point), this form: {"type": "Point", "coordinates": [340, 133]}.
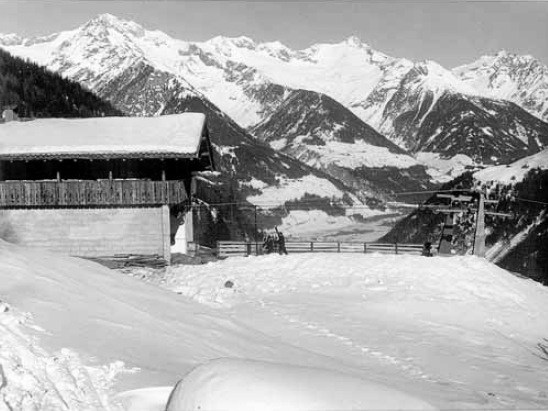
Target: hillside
{"type": "Point", "coordinates": [517, 244]}
{"type": "Point", "coordinates": [324, 134]}
{"type": "Point", "coordinates": [34, 91]}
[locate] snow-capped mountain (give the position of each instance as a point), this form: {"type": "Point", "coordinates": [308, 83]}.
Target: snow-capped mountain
{"type": "Point", "coordinates": [322, 133]}
{"type": "Point", "coordinates": [520, 79]}
{"type": "Point", "coordinates": [428, 109]}
{"type": "Point", "coordinates": [488, 131]}
{"type": "Point", "coordinates": [418, 106]}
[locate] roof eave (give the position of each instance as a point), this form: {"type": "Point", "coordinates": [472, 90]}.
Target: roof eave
{"type": "Point", "coordinates": [93, 156]}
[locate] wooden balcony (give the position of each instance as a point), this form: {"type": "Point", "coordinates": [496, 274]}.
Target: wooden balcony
{"type": "Point", "coordinates": [90, 193]}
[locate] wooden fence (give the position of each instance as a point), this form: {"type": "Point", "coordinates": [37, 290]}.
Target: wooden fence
{"type": "Point", "coordinates": [242, 248]}
{"type": "Point", "coordinates": [90, 193]}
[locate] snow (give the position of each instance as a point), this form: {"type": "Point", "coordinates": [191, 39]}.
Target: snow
{"type": "Point", "coordinates": [448, 167]}
{"type": "Point", "coordinates": [402, 321]}
{"type": "Point", "coordinates": [30, 375]}
{"type": "Point", "coordinates": [517, 78]}
{"type": "Point", "coordinates": [144, 399]}
{"type": "Point", "coordinates": [294, 189]}
{"type": "Point", "coordinates": [360, 154]}
{"type": "Point", "coordinates": [175, 134]}
{"type": "Point", "coordinates": [244, 385]}
{"type": "Point", "coordinates": [515, 172]}
{"type": "Point", "coordinates": [502, 247]}
{"type": "Point", "coordinates": [310, 223]}
{"type": "Point", "coordinates": [255, 184]}
{"type": "Point", "coordinates": [394, 321]}
{"type": "Point", "coordinates": [109, 317]}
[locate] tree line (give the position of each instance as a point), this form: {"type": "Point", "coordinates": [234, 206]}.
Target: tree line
{"type": "Point", "coordinates": [33, 91]}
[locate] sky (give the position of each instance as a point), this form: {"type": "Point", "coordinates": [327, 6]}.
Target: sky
{"type": "Point", "coordinates": [449, 32]}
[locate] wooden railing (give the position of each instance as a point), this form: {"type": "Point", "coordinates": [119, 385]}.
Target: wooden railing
{"type": "Point", "coordinates": [241, 248]}
{"type": "Point", "coordinates": [90, 193]}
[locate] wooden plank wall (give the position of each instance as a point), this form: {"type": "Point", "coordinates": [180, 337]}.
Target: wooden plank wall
{"type": "Point", "coordinates": [90, 193]}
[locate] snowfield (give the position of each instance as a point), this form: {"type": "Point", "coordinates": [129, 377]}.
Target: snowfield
{"type": "Point", "coordinates": [451, 333]}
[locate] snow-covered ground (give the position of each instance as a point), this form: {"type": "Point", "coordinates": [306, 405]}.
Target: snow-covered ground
{"type": "Point", "coordinates": [515, 172]}
{"type": "Point", "coordinates": [456, 333]}
{"type": "Point", "coordinates": [32, 378]}
{"type": "Point", "coordinates": [447, 167]}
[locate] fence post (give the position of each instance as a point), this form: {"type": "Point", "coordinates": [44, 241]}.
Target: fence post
{"type": "Point", "coordinates": [338, 246]}
{"type": "Point", "coordinates": [218, 249]}
{"type": "Point", "coordinates": [364, 248]}
{"type": "Point", "coordinates": [311, 246]}
{"type": "Point", "coordinates": [396, 245]}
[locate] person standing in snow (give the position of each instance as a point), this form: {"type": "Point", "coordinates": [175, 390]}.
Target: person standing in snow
{"type": "Point", "coordinates": [427, 249]}
{"type": "Point", "coordinates": [281, 242]}
{"type": "Point", "coordinates": [268, 244]}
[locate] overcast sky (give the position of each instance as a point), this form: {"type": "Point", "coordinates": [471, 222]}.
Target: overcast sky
{"type": "Point", "coordinates": [449, 32]}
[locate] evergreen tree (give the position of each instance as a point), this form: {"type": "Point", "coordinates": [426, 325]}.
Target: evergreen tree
{"type": "Point", "coordinates": [34, 91]}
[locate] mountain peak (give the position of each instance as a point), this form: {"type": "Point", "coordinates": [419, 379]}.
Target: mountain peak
{"type": "Point", "coordinates": [11, 39]}
{"type": "Point", "coordinates": [354, 41]}
{"type": "Point", "coordinates": [107, 21]}
{"type": "Point", "coordinates": [240, 42]}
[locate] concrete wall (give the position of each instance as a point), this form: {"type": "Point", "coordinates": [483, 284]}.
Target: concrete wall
{"type": "Point", "coordinates": [92, 232]}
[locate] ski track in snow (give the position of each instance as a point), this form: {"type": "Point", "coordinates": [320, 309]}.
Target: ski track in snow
{"type": "Point", "coordinates": [320, 330]}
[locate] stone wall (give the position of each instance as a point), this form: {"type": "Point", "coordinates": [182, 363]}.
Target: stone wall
{"type": "Point", "coordinates": [94, 232]}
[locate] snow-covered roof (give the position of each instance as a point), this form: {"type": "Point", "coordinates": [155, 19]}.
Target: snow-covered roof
{"type": "Point", "coordinates": [171, 136]}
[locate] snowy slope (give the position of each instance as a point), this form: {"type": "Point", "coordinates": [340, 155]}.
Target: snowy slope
{"type": "Point", "coordinates": [109, 317]}
{"type": "Point", "coordinates": [514, 172]}
{"type": "Point", "coordinates": [397, 321]}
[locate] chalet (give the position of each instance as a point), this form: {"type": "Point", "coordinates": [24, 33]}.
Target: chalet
{"type": "Point", "coordinates": [99, 187]}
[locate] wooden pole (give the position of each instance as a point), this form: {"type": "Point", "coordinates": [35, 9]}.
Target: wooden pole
{"type": "Point", "coordinates": [256, 234]}
{"type": "Point", "coordinates": [479, 237]}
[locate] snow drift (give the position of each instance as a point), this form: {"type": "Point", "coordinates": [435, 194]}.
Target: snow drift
{"type": "Point", "coordinates": [243, 385]}
{"type": "Point", "coordinates": [31, 378]}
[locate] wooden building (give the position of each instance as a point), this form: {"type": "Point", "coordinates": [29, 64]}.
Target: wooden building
{"type": "Point", "coordinates": [99, 187]}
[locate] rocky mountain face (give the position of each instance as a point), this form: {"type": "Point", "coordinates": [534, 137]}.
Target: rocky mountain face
{"type": "Point", "coordinates": [520, 79]}
{"type": "Point", "coordinates": [488, 131]}
{"type": "Point", "coordinates": [430, 110]}
{"type": "Point", "coordinates": [322, 133]}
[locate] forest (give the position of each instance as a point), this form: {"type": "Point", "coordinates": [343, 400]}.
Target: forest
{"type": "Point", "coordinates": [33, 91]}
